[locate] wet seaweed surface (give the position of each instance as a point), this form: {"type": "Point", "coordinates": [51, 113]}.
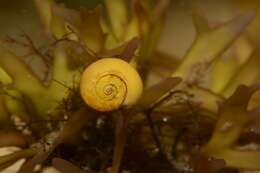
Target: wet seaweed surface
{"type": "Point", "coordinates": [201, 115]}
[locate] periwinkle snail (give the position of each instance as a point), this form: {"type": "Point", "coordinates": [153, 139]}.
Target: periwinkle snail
{"type": "Point", "coordinates": [110, 83]}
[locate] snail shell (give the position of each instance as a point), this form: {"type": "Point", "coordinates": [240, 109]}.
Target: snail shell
{"type": "Point", "coordinates": [110, 83]}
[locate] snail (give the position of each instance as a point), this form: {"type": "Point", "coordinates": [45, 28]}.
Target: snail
{"type": "Point", "coordinates": [110, 83]}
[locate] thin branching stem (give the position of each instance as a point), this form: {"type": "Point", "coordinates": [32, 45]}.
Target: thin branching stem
{"type": "Point", "coordinates": [120, 141]}
{"type": "Point", "coordinates": [153, 128]}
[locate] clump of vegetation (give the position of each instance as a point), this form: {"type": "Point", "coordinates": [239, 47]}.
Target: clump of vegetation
{"type": "Point", "coordinates": [195, 119]}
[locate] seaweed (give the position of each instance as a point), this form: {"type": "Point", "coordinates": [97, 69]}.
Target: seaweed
{"type": "Point", "coordinates": [182, 123]}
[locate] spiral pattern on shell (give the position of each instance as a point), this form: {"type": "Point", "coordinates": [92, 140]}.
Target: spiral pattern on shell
{"type": "Point", "coordinates": [110, 83]}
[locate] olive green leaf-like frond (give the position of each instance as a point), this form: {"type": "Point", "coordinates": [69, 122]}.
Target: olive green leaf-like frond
{"type": "Point", "coordinates": [210, 45]}
{"type": "Point", "coordinates": [233, 117]}
{"type": "Point", "coordinates": [25, 82]}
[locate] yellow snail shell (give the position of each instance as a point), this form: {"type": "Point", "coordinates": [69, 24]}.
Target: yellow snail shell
{"type": "Point", "coordinates": [110, 83]}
